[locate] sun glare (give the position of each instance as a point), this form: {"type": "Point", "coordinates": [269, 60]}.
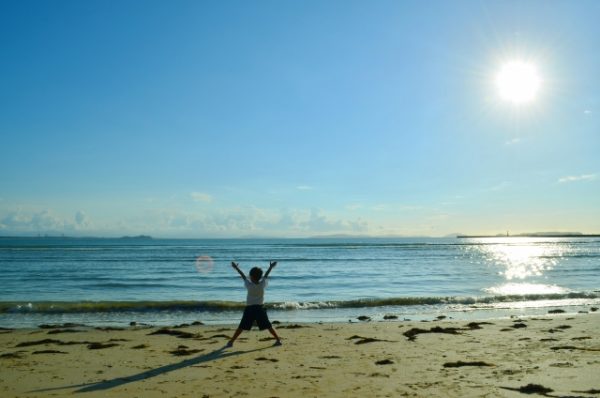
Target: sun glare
{"type": "Point", "coordinates": [523, 264]}
{"type": "Point", "coordinates": [518, 82]}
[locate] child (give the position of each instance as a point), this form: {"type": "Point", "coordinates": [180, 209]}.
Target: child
{"type": "Point", "coordinates": [254, 310]}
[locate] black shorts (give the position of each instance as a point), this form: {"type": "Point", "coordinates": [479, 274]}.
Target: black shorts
{"type": "Point", "coordinates": [255, 313]}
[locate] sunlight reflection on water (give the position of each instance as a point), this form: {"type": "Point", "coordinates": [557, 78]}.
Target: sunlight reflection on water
{"type": "Point", "coordinates": [519, 261]}
{"type": "Point", "coordinates": [522, 262]}
{"type": "Point", "coordinates": [525, 288]}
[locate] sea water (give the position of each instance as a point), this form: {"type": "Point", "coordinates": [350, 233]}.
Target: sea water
{"type": "Point", "coordinates": [168, 281]}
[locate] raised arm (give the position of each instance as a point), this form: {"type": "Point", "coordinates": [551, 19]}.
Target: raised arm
{"type": "Point", "coordinates": [272, 265]}
{"type": "Point", "coordinates": [237, 268]}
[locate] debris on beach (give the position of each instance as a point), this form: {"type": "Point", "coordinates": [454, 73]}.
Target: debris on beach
{"type": "Point", "coordinates": [183, 351]}
{"type": "Point", "coordinates": [38, 342]}
{"type": "Point", "coordinates": [459, 364]}
{"type": "Point", "coordinates": [293, 326]}
{"type": "Point", "coordinates": [572, 347]}
{"type": "Point", "coordinates": [101, 346]}
{"type": "Point", "coordinates": [367, 340]}
{"type": "Point", "coordinates": [60, 326]}
{"type": "Point", "coordinates": [531, 389]}
{"type": "Point", "coordinates": [266, 359]}
{"type": "Point", "coordinates": [412, 333]}
{"type": "Point", "coordinates": [109, 328]}
{"type": "Point", "coordinates": [57, 331]}
{"type": "Point", "coordinates": [178, 333]}
{"type": "Point", "coordinates": [364, 340]}
{"type": "Point", "coordinates": [477, 325]}
{"type": "Point", "coordinates": [49, 352]}
{"type": "Point", "coordinates": [590, 391]}
{"type": "Point", "coordinates": [11, 355]}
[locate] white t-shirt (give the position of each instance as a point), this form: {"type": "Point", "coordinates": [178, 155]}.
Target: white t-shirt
{"type": "Point", "coordinates": [256, 291]}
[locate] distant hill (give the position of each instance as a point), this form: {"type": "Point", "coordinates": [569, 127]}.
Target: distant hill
{"type": "Point", "coordinates": [535, 235]}
{"type": "Point", "coordinates": [136, 237]}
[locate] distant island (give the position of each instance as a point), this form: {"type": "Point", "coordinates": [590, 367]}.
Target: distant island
{"type": "Point", "coordinates": [534, 235]}
{"type": "Point", "coordinates": [136, 237]}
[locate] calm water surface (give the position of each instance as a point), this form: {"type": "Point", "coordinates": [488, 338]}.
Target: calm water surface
{"type": "Point", "coordinates": [103, 281]}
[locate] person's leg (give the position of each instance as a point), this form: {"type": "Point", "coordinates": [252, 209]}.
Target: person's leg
{"type": "Point", "coordinates": [245, 324]}
{"type": "Point", "coordinates": [263, 323]}
{"type": "Point", "coordinates": [234, 337]}
{"type": "Point", "coordinates": [274, 334]}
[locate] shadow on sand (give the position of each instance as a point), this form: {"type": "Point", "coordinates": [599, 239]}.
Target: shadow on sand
{"type": "Point", "coordinates": [119, 381]}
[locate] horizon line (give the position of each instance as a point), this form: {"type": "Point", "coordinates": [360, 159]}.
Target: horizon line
{"type": "Point", "coordinates": [327, 236]}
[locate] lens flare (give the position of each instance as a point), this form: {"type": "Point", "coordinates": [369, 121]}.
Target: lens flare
{"type": "Point", "coordinates": [204, 264]}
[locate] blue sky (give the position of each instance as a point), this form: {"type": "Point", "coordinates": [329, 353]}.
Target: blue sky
{"type": "Point", "coordinates": [296, 118]}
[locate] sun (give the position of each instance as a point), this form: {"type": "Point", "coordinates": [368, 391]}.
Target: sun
{"type": "Point", "coordinates": [518, 82]}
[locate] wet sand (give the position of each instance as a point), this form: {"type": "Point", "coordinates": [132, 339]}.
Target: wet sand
{"type": "Point", "coordinates": [556, 355]}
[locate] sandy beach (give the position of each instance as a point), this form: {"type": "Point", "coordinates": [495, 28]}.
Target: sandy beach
{"type": "Point", "coordinates": [556, 355]}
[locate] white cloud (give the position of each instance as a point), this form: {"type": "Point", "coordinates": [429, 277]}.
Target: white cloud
{"type": "Point", "coordinates": [354, 207]}
{"type": "Point", "coordinates": [43, 222]}
{"type": "Point", "coordinates": [380, 207]}
{"type": "Point", "coordinates": [201, 197]}
{"type": "Point", "coordinates": [587, 112]}
{"type": "Point", "coordinates": [173, 222]}
{"type": "Point", "coordinates": [250, 220]}
{"type": "Point", "coordinates": [304, 188]}
{"type": "Point", "coordinates": [321, 223]}
{"type": "Point", "coordinates": [513, 141]}
{"type": "Point", "coordinates": [81, 220]}
{"type": "Point", "coordinates": [395, 207]}
{"type": "Point", "coordinates": [410, 208]}
{"type": "Point", "coordinates": [40, 222]}
{"type": "Point", "coordinates": [499, 187]}
{"type": "Point", "coordinates": [583, 177]}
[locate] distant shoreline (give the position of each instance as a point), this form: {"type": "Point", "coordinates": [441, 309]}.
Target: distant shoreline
{"type": "Point", "coordinates": [137, 237]}
{"type": "Point", "coordinates": [531, 236]}
{"type": "Point", "coordinates": [148, 237]}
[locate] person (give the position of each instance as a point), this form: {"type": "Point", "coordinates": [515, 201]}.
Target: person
{"type": "Point", "coordinates": [255, 311]}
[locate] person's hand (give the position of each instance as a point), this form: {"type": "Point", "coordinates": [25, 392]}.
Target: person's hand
{"type": "Point", "coordinates": [234, 264]}
{"type": "Point", "coordinates": [272, 264]}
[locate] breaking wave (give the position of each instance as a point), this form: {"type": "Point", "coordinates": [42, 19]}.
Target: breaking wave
{"type": "Point", "coordinates": [67, 307]}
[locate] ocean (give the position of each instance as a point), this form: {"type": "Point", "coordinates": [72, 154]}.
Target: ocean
{"type": "Point", "coordinates": [112, 282]}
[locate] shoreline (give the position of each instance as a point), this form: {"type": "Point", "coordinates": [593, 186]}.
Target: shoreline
{"type": "Point", "coordinates": [440, 358]}
{"type": "Point", "coordinates": [24, 320]}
